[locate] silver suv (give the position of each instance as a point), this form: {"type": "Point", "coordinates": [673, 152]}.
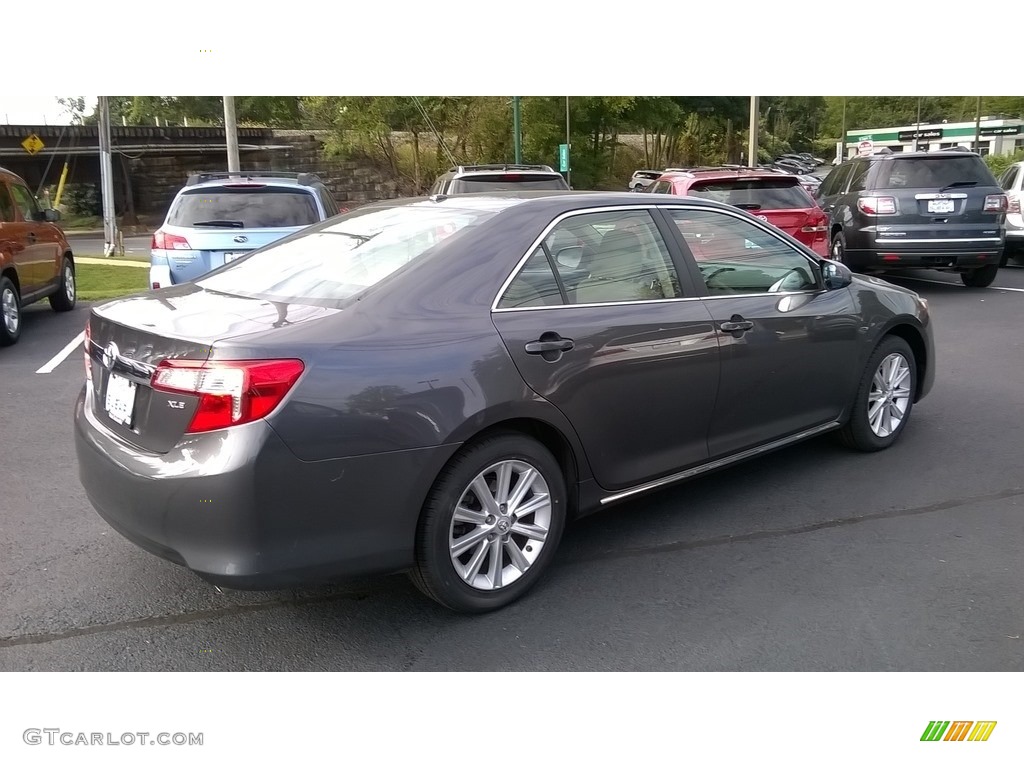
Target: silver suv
{"type": "Point", "coordinates": [466, 179]}
{"type": "Point", "coordinates": [1012, 182]}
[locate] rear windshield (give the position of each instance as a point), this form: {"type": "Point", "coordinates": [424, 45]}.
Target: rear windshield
{"type": "Point", "coordinates": [332, 264]}
{"type": "Point", "coordinates": [508, 181]}
{"type": "Point", "coordinates": [755, 194]}
{"type": "Point", "coordinates": [248, 207]}
{"type": "Point", "coordinates": [929, 172]}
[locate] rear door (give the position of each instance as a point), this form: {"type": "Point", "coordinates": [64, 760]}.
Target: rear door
{"type": "Point", "coordinates": [214, 225]}
{"type": "Point", "coordinates": [600, 324]}
{"type": "Point", "coordinates": [939, 203]}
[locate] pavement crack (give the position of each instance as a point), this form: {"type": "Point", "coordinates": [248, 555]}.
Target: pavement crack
{"type": "Point", "coordinates": [679, 546]}
{"type": "Point", "coordinates": [173, 619]}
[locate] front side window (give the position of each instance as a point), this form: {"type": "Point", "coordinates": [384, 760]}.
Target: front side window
{"type": "Point", "coordinates": [26, 202]}
{"type": "Point", "coordinates": [737, 257]}
{"type": "Point", "coordinates": [244, 207]}
{"type": "Point", "coordinates": [597, 258]}
{"type": "Point", "coordinates": [335, 263]}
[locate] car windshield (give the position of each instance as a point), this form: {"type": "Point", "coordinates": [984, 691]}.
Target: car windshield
{"type": "Point", "coordinates": [335, 263]}
{"type": "Point", "coordinates": [244, 207]}
{"type": "Point", "coordinates": [508, 181]}
{"type": "Point", "coordinates": [932, 172]}
{"type": "Point", "coordinates": [755, 194]}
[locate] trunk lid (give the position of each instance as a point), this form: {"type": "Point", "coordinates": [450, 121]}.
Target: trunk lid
{"type": "Point", "coordinates": [127, 339]}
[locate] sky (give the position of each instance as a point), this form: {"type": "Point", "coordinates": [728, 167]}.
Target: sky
{"type": "Point", "coordinates": [29, 109]}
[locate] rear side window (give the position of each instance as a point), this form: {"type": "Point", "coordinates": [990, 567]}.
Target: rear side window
{"type": "Point", "coordinates": [339, 261]}
{"type": "Point", "coordinates": [244, 207]}
{"type": "Point", "coordinates": [6, 204]}
{"type": "Point", "coordinates": [755, 194]}
{"type": "Point", "coordinates": [929, 172]}
{"type": "Point", "coordinates": [507, 181]}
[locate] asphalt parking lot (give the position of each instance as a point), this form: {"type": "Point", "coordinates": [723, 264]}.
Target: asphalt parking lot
{"type": "Point", "coordinates": [813, 558]}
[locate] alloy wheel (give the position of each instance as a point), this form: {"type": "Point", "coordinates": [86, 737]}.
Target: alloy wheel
{"type": "Point", "coordinates": [889, 395]}
{"type": "Point", "coordinates": [69, 282]}
{"type": "Point", "coordinates": [500, 525]}
{"type": "Point", "coordinates": [9, 309]}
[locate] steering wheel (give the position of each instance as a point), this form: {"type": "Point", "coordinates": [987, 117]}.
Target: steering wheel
{"type": "Point", "coordinates": [720, 270]}
{"type": "Point", "coordinates": [781, 284]}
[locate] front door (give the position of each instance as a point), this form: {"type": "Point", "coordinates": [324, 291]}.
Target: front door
{"type": "Point", "coordinates": [39, 238]}
{"type": "Point", "coordinates": [789, 348]}
{"type": "Point", "coordinates": [600, 324]}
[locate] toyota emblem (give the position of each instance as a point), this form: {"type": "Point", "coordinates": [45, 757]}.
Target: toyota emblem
{"type": "Point", "coordinates": [241, 239]}
{"type": "Point", "coordinates": [110, 354]}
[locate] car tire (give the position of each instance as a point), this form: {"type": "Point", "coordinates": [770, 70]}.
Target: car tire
{"type": "Point", "coordinates": [837, 250]}
{"type": "Point", "coordinates": [982, 277]}
{"type": "Point", "coordinates": [866, 429]}
{"type": "Point", "coordinates": [497, 564]}
{"type": "Point", "coordinates": [10, 313]}
{"type": "Point", "coordinates": [64, 299]}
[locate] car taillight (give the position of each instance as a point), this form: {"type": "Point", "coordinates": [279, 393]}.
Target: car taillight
{"type": "Point", "coordinates": [168, 242]}
{"type": "Point", "coordinates": [995, 203]}
{"type": "Point", "coordinates": [230, 392]}
{"type": "Point", "coordinates": [875, 206]}
{"type": "Point", "coordinates": [1012, 204]}
{"type": "Point", "coordinates": [155, 286]}
{"type": "Point", "coordinates": [85, 347]}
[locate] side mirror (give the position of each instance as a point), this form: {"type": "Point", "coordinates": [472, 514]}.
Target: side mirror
{"type": "Point", "coordinates": [51, 214]}
{"type": "Point", "coordinates": [835, 274]}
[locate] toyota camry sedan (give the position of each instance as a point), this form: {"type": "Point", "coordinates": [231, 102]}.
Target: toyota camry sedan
{"type": "Point", "coordinates": [439, 385]}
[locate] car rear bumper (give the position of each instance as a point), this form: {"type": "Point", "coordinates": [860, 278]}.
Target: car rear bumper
{"type": "Point", "coordinates": [922, 259]}
{"type": "Point", "coordinates": [241, 510]}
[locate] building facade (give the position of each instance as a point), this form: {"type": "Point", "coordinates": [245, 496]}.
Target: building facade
{"type": "Point", "coordinates": [998, 136]}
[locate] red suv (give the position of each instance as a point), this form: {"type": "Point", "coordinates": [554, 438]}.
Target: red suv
{"type": "Point", "coordinates": [777, 198]}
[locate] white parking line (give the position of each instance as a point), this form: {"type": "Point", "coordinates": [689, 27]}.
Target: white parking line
{"type": "Point", "coordinates": [62, 355]}
{"type": "Point", "coordinates": [954, 285]}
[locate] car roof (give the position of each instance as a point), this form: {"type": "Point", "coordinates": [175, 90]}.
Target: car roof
{"type": "Point", "coordinates": [725, 174]}
{"type": "Point", "coordinates": [262, 181]}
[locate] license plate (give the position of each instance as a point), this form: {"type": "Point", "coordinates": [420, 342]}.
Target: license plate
{"type": "Point", "coordinates": [232, 256]}
{"type": "Point", "coordinates": [941, 206]}
{"type": "Point", "coordinates": [120, 401]}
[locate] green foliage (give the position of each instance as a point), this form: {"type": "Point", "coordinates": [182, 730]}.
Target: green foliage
{"type": "Point", "coordinates": [82, 200]}
{"type": "Point", "coordinates": [887, 111]}
{"type": "Point", "coordinates": [999, 163]}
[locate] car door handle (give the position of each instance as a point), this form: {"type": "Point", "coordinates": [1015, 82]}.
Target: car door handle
{"type": "Point", "coordinates": [31, 237]}
{"type": "Point", "coordinates": [549, 345]}
{"type": "Point", "coordinates": [736, 324]}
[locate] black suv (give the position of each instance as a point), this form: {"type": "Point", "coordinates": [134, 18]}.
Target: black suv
{"type": "Point", "coordinates": [937, 210]}
{"type": "Point", "coordinates": [465, 179]}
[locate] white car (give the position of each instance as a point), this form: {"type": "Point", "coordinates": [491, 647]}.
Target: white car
{"type": "Point", "coordinates": [643, 179]}
{"type": "Point", "coordinates": [1012, 181]}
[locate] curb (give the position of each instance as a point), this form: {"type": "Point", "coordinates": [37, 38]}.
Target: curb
{"type": "Point", "coordinates": [115, 262]}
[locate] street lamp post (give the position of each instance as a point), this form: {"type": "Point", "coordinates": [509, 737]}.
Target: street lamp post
{"type": "Point", "coordinates": [517, 138]}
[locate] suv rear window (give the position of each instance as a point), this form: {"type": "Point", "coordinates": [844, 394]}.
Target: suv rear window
{"type": "Point", "coordinates": [508, 181]}
{"type": "Point", "coordinates": [933, 172]}
{"type": "Point", "coordinates": [244, 207]}
{"type": "Point", "coordinates": [755, 194]}
{"type": "Point", "coordinates": [340, 260]}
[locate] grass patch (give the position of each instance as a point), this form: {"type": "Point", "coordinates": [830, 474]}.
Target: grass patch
{"type": "Point", "coordinates": [108, 281]}
{"type": "Point", "coordinates": [79, 221]}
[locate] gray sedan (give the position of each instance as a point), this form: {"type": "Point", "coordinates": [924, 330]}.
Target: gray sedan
{"type": "Point", "coordinates": [439, 385]}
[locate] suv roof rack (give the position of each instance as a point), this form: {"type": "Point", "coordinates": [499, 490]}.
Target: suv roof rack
{"type": "Point", "coordinates": [957, 148]}
{"type": "Point", "coordinates": [200, 176]}
{"type": "Point", "coordinates": [501, 167]}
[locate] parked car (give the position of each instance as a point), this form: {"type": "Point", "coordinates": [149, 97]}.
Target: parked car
{"type": "Point", "coordinates": [466, 179]}
{"type": "Point", "coordinates": [438, 385]}
{"type": "Point", "coordinates": [220, 216]}
{"type": "Point", "coordinates": [642, 179]}
{"type": "Point", "coordinates": [35, 258]}
{"type": "Point", "coordinates": [811, 159]}
{"type": "Point", "coordinates": [793, 166]}
{"type": "Point", "coordinates": [939, 210]}
{"type": "Point", "coordinates": [1012, 182]}
{"type": "Point", "coordinates": [809, 183]}
{"type": "Point", "coordinates": [778, 198]}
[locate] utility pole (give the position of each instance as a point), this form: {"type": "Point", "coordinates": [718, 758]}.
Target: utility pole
{"type": "Point", "coordinates": [107, 179]}
{"type": "Point", "coordinates": [917, 135]}
{"type": "Point", "coordinates": [231, 133]}
{"type": "Point", "coordinates": [977, 128]}
{"type": "Point", "coordinates": [752, 138]}
{"type": "Point", "coordinates": [517, 138]}
{"type": "Point", "coordinates": [568, 172]}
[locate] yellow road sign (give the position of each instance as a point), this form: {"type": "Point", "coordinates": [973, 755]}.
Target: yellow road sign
{"type": "Point", "coordinates": [32, 144]}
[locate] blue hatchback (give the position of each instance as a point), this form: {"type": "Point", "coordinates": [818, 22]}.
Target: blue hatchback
{"type": "Point", "coordinates": [220, 216]}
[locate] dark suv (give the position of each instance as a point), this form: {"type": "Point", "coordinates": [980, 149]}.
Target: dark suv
{"type": "Point", "coordinates": [466, 179]}
{"type": "Point", "coordinates": [937, 210]}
